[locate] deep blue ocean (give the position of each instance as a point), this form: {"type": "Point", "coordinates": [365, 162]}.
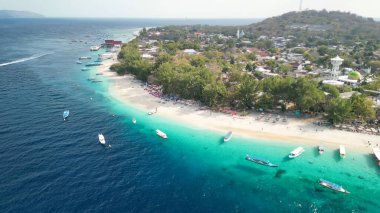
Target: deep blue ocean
{"type": "Point", "coordinates": [48, 165]}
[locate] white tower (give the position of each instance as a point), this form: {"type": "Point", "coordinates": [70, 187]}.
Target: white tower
{"type": "Point", "coordinates": [336, 62]}
{"type": "Point", "coordinates": [300, 9]}
{"type": "Point", "coordinates": [238, 34]}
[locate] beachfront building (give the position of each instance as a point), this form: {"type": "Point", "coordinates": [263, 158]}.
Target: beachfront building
{"type": "Point", "coordinates": [112, 43]}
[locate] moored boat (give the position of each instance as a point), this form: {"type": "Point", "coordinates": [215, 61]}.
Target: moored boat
{"type": "Point", "coordinates": [296, 152]}
{"type": "Point", "coordinates": [321, 149]}
{"type": "Point", "coordinates": [342, 151]}
{"type": "Point", "coordinates": [85, 69]}
{"type": "Point", "coordinates": [79, 62]}
{"type": "Point", "coordinates": [161, 134]}
{"type": "Point", "coordinates": [376, 152]}
{"type": "Point", "coordinates": [332, 186]}
{"type": "Point", "coordinates": [65, 114]}
{"type": "Point", "coordinates": [84, 57]}
{"type": "Point", "coordinates": [93, 64]}
{"type": "Point", "coordinates": [259, 161]}
{"type": "Point", "coordinates": [228, 136]}
{"type": "Point", "coordinates": [102, 140]}
{"type": "Point", "coordinates": [134, 120]}
{"type": "Point", "coordinates": [95, 48]}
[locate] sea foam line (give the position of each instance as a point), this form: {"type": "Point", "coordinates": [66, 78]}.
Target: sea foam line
{"type": "Point", "coordinates": [24, 59]}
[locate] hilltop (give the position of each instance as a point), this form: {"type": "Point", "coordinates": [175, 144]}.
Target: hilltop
{"type": "Point", "coordinates": [4, 14]}
{"type": "Point", "coordinates": [329, 24]}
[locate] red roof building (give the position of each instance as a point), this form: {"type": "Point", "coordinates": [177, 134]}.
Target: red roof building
{"type": "Point", "coordinates": [112, 43]}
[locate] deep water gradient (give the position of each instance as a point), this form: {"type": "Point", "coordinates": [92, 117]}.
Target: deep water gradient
{"type": "Point", "coordinates": [48, 165]}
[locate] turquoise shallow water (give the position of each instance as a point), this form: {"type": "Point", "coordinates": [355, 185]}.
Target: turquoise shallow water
{"type": "Point", "coordinates": [53, 166]}
{"type": "Point", "coordinates": [224, 172]}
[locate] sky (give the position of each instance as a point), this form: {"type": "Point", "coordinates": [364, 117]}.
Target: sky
{"type": "Point", "coordinates": [185, 8]}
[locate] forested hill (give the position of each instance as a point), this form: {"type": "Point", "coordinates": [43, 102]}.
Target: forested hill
{"type": "Point", "coordinates": [5, 14]}
{"type": "Point", "coordinates": [342, 25]}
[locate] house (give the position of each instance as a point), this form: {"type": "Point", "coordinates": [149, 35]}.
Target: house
{"type": "Point", "coordinates": [112, 43]}
{"type": "Point", "coordinates": [190, 51]}
{"type": "Point", "coordinates": [147, 56]}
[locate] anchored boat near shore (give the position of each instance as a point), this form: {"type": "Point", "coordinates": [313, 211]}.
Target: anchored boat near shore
{"type": "Point", "coordinates": [342, 151]}
{"type": "Point", "coordinates": [296, 152]}
{"type": "Point", "coordinates": [228, 136]}
{"type": "Point", "coordinates": [161, 134]}
{"type": "Point", "coordinates": [332, 186]}
{"type": "Point", "coordinates": [321, 149]}
{"type": "Point", "coordinates": [259, 161]}
{"type": "Point", "coordinates": [376, 152]}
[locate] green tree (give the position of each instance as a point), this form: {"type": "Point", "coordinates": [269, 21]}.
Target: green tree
{"type": "Point", "coordinates": [339, 110]}
{"type": "Point", "coordinates": [323, 50]}
{"type": "Point", "coordinates": [161, 59]}
{"type": "Point", "coordinates": [272, 64]}
{"type": "Point", "coordinates": [214, 93]}
{"type": "Point", "coordinates": [332, 90]}
{"type": "Point", "coordinates": [285, 68]}
{"type": "Point", "coordinates": [362, 107]}
{"type": "Point", "coordinates": [247, 91]}
{"type": "Point", "coordinates": [307, 96]}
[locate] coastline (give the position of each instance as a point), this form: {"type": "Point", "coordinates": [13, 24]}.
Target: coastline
{"type": "Point", "coordinates": [131, 92]}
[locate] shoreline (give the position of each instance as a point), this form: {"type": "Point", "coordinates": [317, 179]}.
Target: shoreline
{"type": "Point", "coordinates": [132, 92]}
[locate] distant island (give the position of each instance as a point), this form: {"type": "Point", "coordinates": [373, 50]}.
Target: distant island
{"type": "Point", "coordinates": [5, 14]}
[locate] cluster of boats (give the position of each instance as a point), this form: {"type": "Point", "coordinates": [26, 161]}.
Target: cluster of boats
{"type": "Point", "coordinates": [254, 159]}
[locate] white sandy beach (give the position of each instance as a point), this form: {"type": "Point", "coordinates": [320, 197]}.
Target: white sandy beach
{"type": "Point", "coordinates": [131, 91]}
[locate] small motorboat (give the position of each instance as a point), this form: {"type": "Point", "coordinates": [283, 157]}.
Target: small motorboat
{"type": "Point", "coordinates": [65, 114]}
{"type": "Point", "coordinates": [321, 149]}
{"type": "Point", "coordinates": [296, 152]}
{"type": "Point", "coordinates": [102, 140]}
{"type": "Point", "coordinates": [85, 69]}
{"type": "Point", "coordinates": [342, 151]}
{"type": "Point", "coordinates": [228, 136]}
{"type": "Point", "coordinates": [259, 161]}
{"type": "Point", "coordinates": [84, 57]}
{"type": "Point", "coordinates": [79, 62]}
{"type": "Point", "coordinates": [161, 134]}
{"type": "Point", "coordinates": [94, 64]}
{"type": "Point", "coordinates": [134, 120]}
{"type": "Point", "coordinates": [332, 186]}
{"type": "Point", "coordinates": [376, 153]}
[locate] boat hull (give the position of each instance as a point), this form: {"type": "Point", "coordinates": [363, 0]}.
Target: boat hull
{"type": "Point", "coordinates": [261, 162]}
{"type": "Point", "coordinates": [332, 186]}
{"type": "Point", "coordinates": [227, 137]}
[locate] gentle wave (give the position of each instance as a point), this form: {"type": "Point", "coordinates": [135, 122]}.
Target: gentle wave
{"type": "Point", "coordinates": [25, 59]}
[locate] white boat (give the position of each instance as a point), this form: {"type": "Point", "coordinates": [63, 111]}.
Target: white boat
{"type": "Point", "coordinates": [79, 62]}
{"type": "Point", "coordinates": [95, 48]}
{"type": "Point", "coordinates": [84, 57]}
{"type": "Point", "coordinates": [332, 186]}
{"type": "Point", "coordinates": [228, 136]}
{"type": "Point", "coordinates": [85, 69]}
{"type": "Point", "coordinates": [376, 152]}
{"type": "Point", "coordinates": [134, 120]}
{"type": "Point", "coordinates": [65, 114]}
{"type": "Point", "coordinates": [297, 152]}
{"type": "Point", "coordinates": [102, 140]}
{"type": "Point", "coordinates": [161, 134]}
{"type": "Point", "coordinates": [342, 151]}
{"type": "Point", "coordinates": [321, 149]}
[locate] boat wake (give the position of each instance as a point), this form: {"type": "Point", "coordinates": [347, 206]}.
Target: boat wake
{"type": "Point", "coordinates": [25, 59]}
